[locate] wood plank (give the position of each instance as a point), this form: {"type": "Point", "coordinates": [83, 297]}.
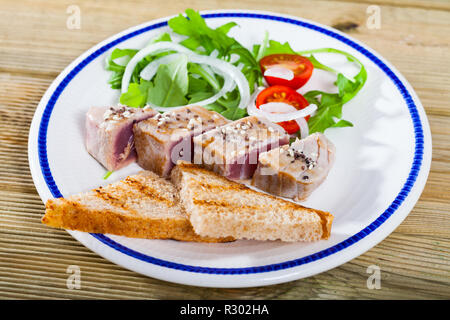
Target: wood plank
{"type": "Point", "coordinates": [423, 4]}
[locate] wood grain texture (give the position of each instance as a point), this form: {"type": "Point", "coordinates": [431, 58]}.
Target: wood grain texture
{"type": "Point", "coordinates": [35, 46]}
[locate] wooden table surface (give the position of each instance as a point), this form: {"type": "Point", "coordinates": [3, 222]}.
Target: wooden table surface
{"type": "Point", "coordinates": [36, 45]}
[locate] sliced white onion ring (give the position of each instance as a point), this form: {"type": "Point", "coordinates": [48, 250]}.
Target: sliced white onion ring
{"type": "Point", "coordinates": [277, 107]}
{"type": "Point", "coordinates": [304, 128]}
{"type": "Point", "coordinates": [214, 53]}
{"type": "Point", "coordinates": [231, 72]}
{"type": "Point", "coordinates": [279, 117]}
{"type": "Point", "coordinates": [150, 70]}
{"type": "Point", "coordinates": [279, 72]}
{"type": "Point", "coordinates": [272, 109]}
{"type": "Point", "coordinates": [141, 54]}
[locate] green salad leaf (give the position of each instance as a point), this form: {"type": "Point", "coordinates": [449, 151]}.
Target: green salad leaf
{"type": "Point", "coordinates": [204, 40]}
{"type": "Point", "coordinates": [271, 47]}
{"type": "Point", "coordinates": [137, 93]}
{"type": "Point", "coordinates": [329, 112]}
{"type": "Point", "coordinates": [171, 84]}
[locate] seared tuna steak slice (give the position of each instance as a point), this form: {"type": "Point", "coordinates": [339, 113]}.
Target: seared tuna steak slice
{"type": "Point", "coordinates": [109, 134]}
{"type": "Point", "coordinates": [166, 138]}
{"type": "Point", "coordinates": [233, 150]}
{"type": "Point", "coordinates": [295, 171]}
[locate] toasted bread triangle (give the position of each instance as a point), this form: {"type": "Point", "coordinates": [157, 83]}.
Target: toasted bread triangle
{"type": "Point", "coordinates": [140, 206]}
{"type": "Point", "coordinates": [218, 207]}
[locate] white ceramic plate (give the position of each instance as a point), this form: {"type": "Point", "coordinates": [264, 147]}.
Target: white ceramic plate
{"type": "Point", "coordinates": [381, 167]}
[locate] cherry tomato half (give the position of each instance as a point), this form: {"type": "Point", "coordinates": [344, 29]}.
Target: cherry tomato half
{"type": "Point", "coordinates": [299, 65]}
{"type": "Point", "coordinates": [286, 95]}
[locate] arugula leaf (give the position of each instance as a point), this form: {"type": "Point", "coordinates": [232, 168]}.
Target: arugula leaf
{"type": "Point", "coordinates": [198, 84]}
{"type": "Point", "coordinates": [171, 84]}
{"type": "Point", "coordinates": [113, 65]}
{"type": "Point", "coordinates": [329, 112]}
{"type": "Point", "coordinates": [230, 106]}
{"type": "Point", "coordinates": [226, 27]}
{"type": "Point", "coordinates": [329, 109]}
{"type": "Point", "coordinates": [199, 96]}
{"type": "Point", "coordinates": [165, 92]}
{"type": "Point", "coordinates": [199, 34]}
{"type": "Point", "coordinates": [217, 107]}
{"type": "Point", "coordinates": [342, 123]}
{"type": "Point", "coordinates": [107, 174]}
{"type": "Point", "coordinates": [200, 71]}
{"type": "Point", "coordinates": [179, 74]}
{"type": "Point", "coordinates": [136, 96]}
{"type": "Point", "coordinates": [273, 47]}
{"type": "Point", "coordinates": [318, 65]}
{"type": "Point", "coordinates": [234, 113]}
{"type": "Point", "coordinates": [162, 37]}
{"type": "Point", "coordinates": [204, 40]}
{"type": "Point", "coordinates": [118, 67]}
{"type": "Point", "coordinates": [258, 50]}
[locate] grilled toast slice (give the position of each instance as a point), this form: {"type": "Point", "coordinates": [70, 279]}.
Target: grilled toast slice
{"type": "Point", "coordinates": [140, 206]}
{"type": "Point", "coordinates": [218, 207]}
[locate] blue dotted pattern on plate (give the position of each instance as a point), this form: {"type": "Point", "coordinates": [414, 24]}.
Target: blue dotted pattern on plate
{"type": "Point", "coordinates": [418, 153]}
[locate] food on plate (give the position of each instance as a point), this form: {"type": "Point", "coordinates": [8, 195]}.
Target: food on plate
{"type": "Point", "coordinates": [109, 134]}
{"type": "Point", "coordinates": [232, 150]}
{"type": "Point", "coordinates": [219, 207]}
{"type": "Point", "coordinates": [140, 206]}
{"type": "Point", "coordinates": [162, 140]}
{"type": "Point", "coordinates": [198, 205]}
{"type": "Point", "coordinates": [230, 110]}
{"type": "Point", "coordinates": [277, 95]}
{"type": "Point", "coordinates": [212, 69]}
{"type": "Point", "coordinates": [295, 171]}
{"type": "Point", "coordinates": [291, 70]}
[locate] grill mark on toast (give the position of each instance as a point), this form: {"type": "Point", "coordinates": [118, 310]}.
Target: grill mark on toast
{"type": "Point", "coordinates": [107, 197]}
{"type": "Point", "coordinates": [222, 187]}
{"type": "Point", "coordinates": [149, 191]}
{"type": "Point", "coordinates": [223, 204]}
